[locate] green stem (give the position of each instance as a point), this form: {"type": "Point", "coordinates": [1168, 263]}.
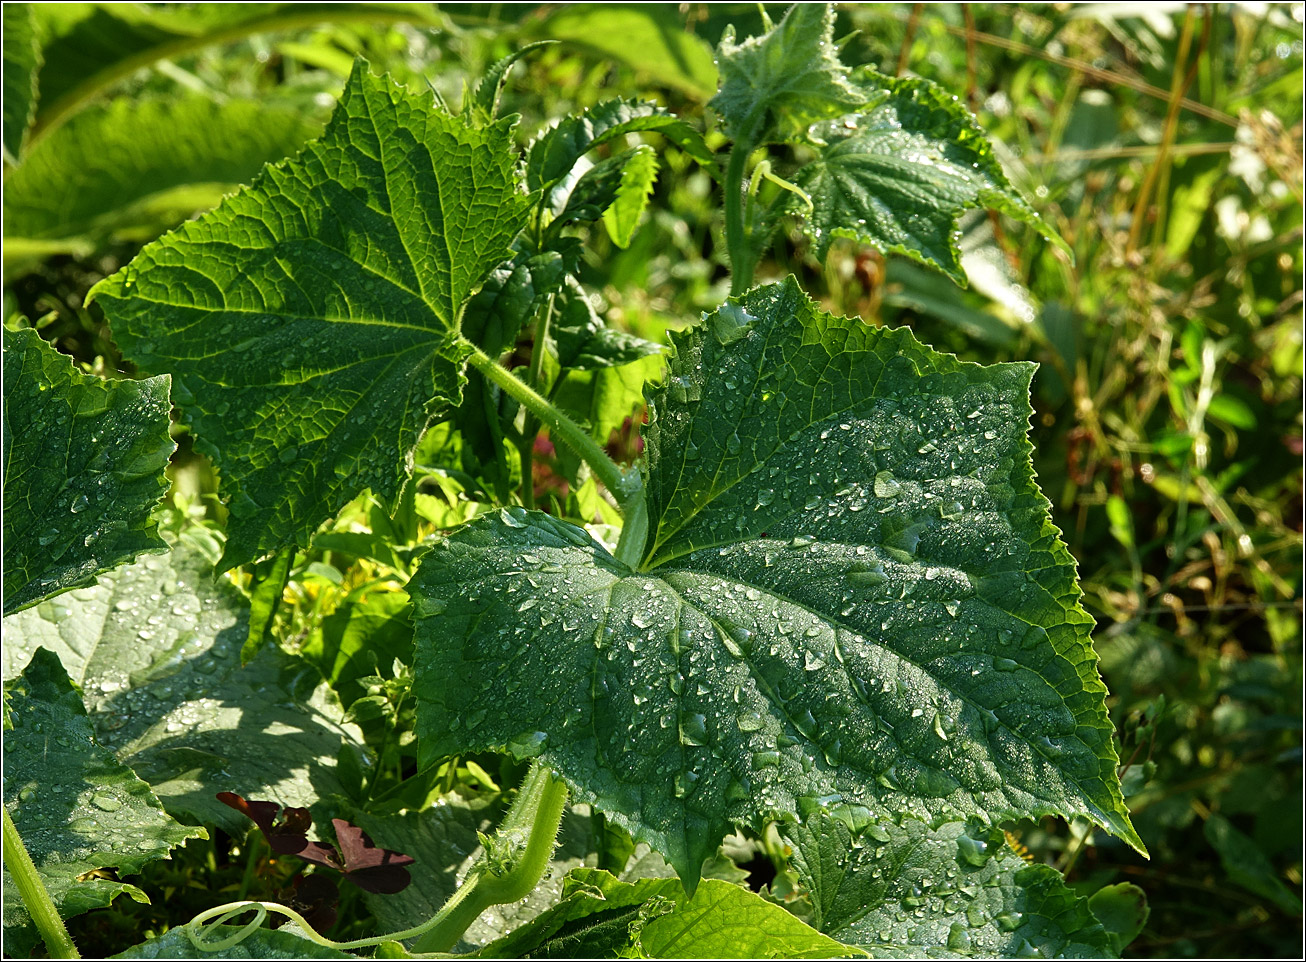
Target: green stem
{"type": "Point", "coordinates": [743, 259]}
{"type": "Point", "coordinates": [33, 892]}
{"type": "Point", "coordinates": [538, 811]}
{"type": "Point", "coordinates": [626, 486]}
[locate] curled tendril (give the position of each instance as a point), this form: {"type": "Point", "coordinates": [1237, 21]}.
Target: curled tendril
{"type": "Point", "coordinates": [222, 913]}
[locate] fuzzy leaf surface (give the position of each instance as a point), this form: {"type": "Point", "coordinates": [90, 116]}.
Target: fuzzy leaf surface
{"type": "Point", "coordinates": [773, 87]}
{"type": "Point", "coordinates": [900, 172]}
{"type": "Point", "coordinates": [898, 890]}
{"type": "Point", "coordinates": [852, 596]}
{"type": "Point", "coordinates": [76, 806]}
{"type": "Point", "coordinates": [155, 648]}
{"type": "Point", "coordinates": [311, 321]}
{"type": "Point", "coordinates": [83, 469]}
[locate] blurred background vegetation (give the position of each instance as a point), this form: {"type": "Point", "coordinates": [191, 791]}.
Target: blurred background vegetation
{"type": "Point", "coordinates": [1163, 141]}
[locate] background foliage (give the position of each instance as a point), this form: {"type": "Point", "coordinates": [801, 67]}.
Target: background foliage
{"type": "Point", "coordinates": [1164, 146]}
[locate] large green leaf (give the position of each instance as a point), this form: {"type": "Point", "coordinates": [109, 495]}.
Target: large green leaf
{"type": "Point", "coordinates": [22, 60]}
{"type": "Point", "coordinates": [900, 172]}
{"type": "Point", "coordinates": [155, 648]}
{"type": "Point", "coordinates": [601, 916]}
{"type": "Point", "coordinates": [899, 890]}
{"type": "Point", "coordinates": [852, 595]}
{"type": "Point", "coordinates": [132, 168]}
{"type": "Point", "coordinates": [91, 46]}
{"type": "Point", "coordinates": [311, 321]}
{"type": "Point", "coordinates": [83, 468]}
{"type": "Point", "coordinates": [77, 807]}
{"type": "Point", "coordinates": [773, 87]}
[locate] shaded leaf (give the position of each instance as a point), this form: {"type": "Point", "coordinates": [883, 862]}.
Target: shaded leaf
{"type": "Point", "coordinates": [899, 173]}
{"type": "Point", "coordinates": [84, 460]}
{"type": "Point", "coordinates": [131, 168]}
{"type": "Point", "coordinates": [76, 807]}
{"type": "Point", "coordinates": [155, 648]}
{"type": "Point", "coordinates": [773, 87]}
{"type": "Point", "coordinates": [1247, 866]}
{"type": "Point", "coordinates": [311, 320]}
{"type": "Point", "coordinates": [22, 60]}
{"type": "Point", "coordinates": [852, 593]}
{"type": "Point", "coordinates": [1122, 909]}
{"type": "Point", "coordinates": [288, 837]}
{"type": "Point", "coordinates": [583, 341]}
{"type": "Point", "coordinates": [902, 889]}
{"type": "Point", "coordinates": [371, 868]}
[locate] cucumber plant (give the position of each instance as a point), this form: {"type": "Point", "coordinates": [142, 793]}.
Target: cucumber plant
{"type": "Point", "coordinates": [837, 610]}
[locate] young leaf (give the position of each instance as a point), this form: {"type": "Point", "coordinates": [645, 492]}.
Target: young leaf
{"type": "Point", "coordinates": [555, 152]}
{"type": "Point", "coordinates": [900, 172]}
{"type": "Point", "coordinates": [902, 889]}
{"type": "Point", "coordinates": [482, 103]}
{"type": "Point", "coordinates": [590, 192]}
{"type": "Point", "coordinates": [22, 60]}
{"type": "Point", "coordinates": [852, 591]}
{"type": "Point", "coordinates": [311, 320]}
{"type": "Point", "coordinates": [84, 460]}
{"type": "Point", "coordinates": [288, 837]}
{"type": "Point", "coordinates": [155, 647]}
{"type": "Point", "coordinates": [773, 87]}
{"type": "Point", "coordinates": [77, 807]}
{"type": "Point", "coordinates": [637, 177]}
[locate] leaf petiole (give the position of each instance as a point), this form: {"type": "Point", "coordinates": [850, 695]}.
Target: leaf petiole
{"type": "Point", "coordinates": [39, 904]}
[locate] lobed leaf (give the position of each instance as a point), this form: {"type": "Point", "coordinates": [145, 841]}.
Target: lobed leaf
{"type": "Point", "coordinates": [773, 87]}
{"type": "Point", "coordinates": [901, 889]}
{"type": "Point", "coordinates": [311, 321]}
{"type": "Point", "coordinates": [83, 469]}
{"type": "Point", "coordinates": [852, 596]}
{"type": "Point", "coordinates": [899, 173]}
{"type": "Point", "coordinates": [76, 807]}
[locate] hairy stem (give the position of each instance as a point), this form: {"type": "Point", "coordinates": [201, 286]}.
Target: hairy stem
{"type": "Point", "coordinates": [626, 486]}
{"type": "Point", "coordinates": [739, 241]}
{"type": "Point", "coordinates": [537, 811]}
{"type": "Point", "coordinates": [39, 904]}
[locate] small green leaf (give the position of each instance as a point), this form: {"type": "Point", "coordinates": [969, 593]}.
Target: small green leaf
{"type": "Point", "coordinates": [265, 598]}
{"type": "Point", "coordinates": [852, 593]}
{"type": "Point", "coordinates": [1247, 866]}
{"type": "Point", "coordinates": [77, 807]}
{"type": "Point", "coordinates": [483, 102]}
{"type": "Point", "coordinates": [775, 86]}
{"type": "Point", "coordinates": [904, 889]}
{"type": "Point", "coordinates": [84, 460]}
{"type": "Point", "coordinates": [591, 192]}
{"type": "Point", "coordinates": [361, 637]}
{"type": "Point", "coordinates": [155, 647]}
{"type": "Point", "coordinates": [311, 321]}
{"type": "Point", "coordinates": [637, 178]}
{"type": "Point", "coordinates": [1122, 909]}
{"type": "Point", "coordinates": [261, 944]}
{"type": "Point", "coordinates": [582, 341]}
{"type": "Point", "coordinates": [554, 153]}
{"type": "Point", "coordinates": [22, 61]}
{"type": "Point", "coordinates": [899, 172]}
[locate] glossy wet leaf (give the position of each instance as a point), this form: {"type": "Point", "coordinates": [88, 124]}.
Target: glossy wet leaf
{"type": "Point", "coordinates": [130, 169]}
{"type": "Point", "coordinates": [263, 944]}
{"type": "Point", "coordinates": [311, 321]}
{"type": "Point", "coordinates": [155, 648]}
{"type": "Point", "coordinates": [899, 172]}
{"type": "Point", "coordinates": [899, 890]}
{"type": "Point", "coordinates": [774, 86]}
{"type": "Point", "coordinates": [76, 806]}
{"type": "Point", "coordinates": [852, 596]}
{"type": "Point", "coordinates": [22, 60]}
{"type": "Point", "coordinates": [83, 469]}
